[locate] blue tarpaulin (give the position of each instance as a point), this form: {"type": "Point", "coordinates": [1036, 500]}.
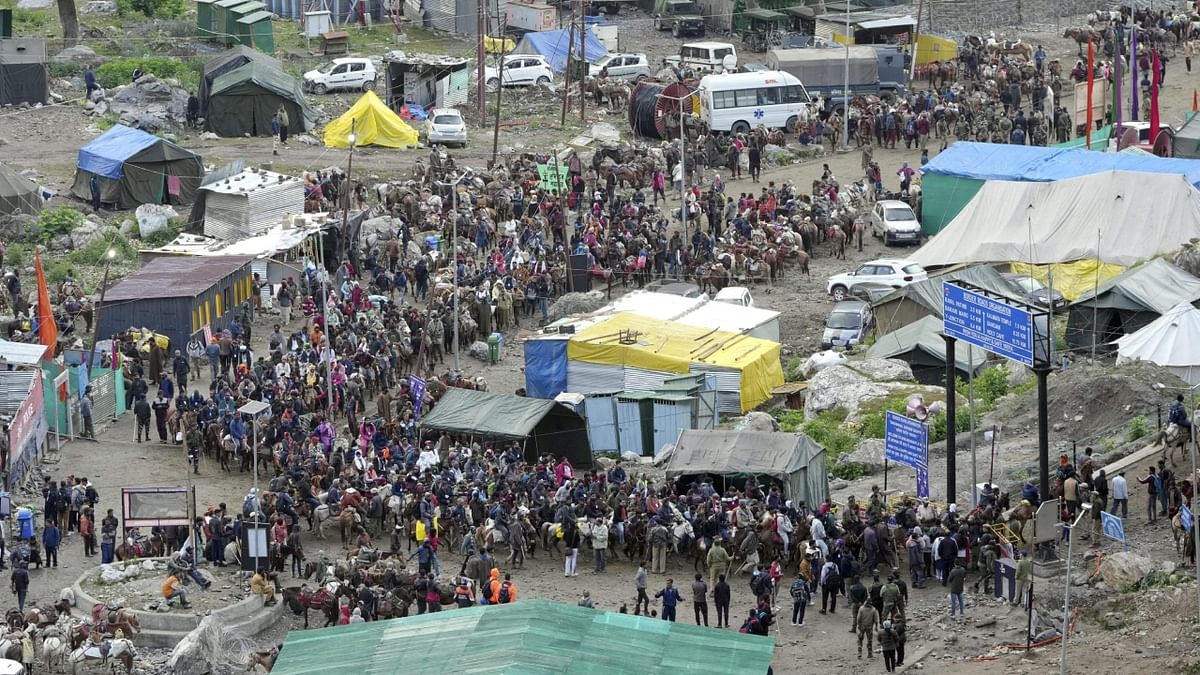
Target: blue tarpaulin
{"type": "Point", "coordinates": [996, 161]}
{"type": "Point", "coordinates": [553, 44]}
{"type": "Point", "coordinates": [545, 368]}
{"type": "Point", "coordinates": [105, 155]}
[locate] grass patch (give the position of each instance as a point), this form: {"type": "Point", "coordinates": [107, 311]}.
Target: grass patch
{"type": "Point", "coordinates": [96, 252]}
{"type": "Point", "coordinates": [1138, 428]}
{"type": "Point", "coordinates": [120, 70]}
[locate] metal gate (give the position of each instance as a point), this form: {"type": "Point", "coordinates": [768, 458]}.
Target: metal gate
{"type": "Point", "coordinates": [104, 397]}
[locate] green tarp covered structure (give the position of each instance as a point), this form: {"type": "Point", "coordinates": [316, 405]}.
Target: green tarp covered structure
{"type": "Point", "coordinates": [1127, 303]}
{"type": "Point", "coordinates": [543, 426]}
{"type": "Point", "coordinates": [529, 637]}
{"type": "Point", "coordinates": [18, 194]}
{"type": "Point", "coordinates": [792, 459]}
{"type": "Point", "coordinates": [921, 346]}
{"type": "Point", "coordinates": [243, 101]}
{"type": "Point", "coordinates": [133, 168]}
{"type": "Point", "coordinates": [924, 298]}
{"type": "Point", "coordinates": [226, 62]}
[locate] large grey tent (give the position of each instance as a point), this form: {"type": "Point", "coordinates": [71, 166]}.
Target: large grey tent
{"type": "Point", "coordinates": [135, 168]}
{"type": "Point", "coordinates": [1128, 302]}
{"type": "Point", "coordinates": [23, 74]}
{"type": "Point", "coordinates": [226, 62]}
{"type": "Point", "coordinates": [243, 101]}
{"type": "Point", "coordinates": [920, 344]}
{"type": "Point", "coordinates": [915, 301]}
{"type": "Point", "coordinates": [545, 427]}
{"type": "Point", "coordinates": [792, 459]}
{"type": "Point", "coordinates": [18, 194]}
{"type": "Point", "coordinates": [1186, 144]}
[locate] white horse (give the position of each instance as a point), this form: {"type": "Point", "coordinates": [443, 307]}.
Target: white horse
{"type": "Point", "coordinates": [54, 648]}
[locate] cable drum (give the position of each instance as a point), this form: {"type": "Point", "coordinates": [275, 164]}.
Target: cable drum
{"type": "Point", "coordinates": [651, 103]}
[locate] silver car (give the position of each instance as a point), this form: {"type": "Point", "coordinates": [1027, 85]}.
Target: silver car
{"type": "Point", "coordinates": [445, 126]}
{"type": "Point", "coordinates": [848, 324]}
{"type": "Point", "coordinates": [628, 67]}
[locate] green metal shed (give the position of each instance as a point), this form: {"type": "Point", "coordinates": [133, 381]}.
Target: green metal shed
{"type": "Point", "coordinates": [531, 637]}
{"type": "Point", "coordinates": [204, 18]}
{"type": "Point", "coordinates": [255, 30]}
{"type": "Point", "coordinates": [236, 12]}
{"type": "Point", "coordinates": [222, 24]}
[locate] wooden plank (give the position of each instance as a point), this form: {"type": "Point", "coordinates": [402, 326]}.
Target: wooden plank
{"type": "Point", "coordinates": [914, 659]}
{"type": "Point", "coordinates": [1125, 463]}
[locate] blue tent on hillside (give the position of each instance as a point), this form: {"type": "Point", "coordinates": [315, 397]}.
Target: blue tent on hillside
{"type": "Point", "coordinates": [554, 45]}
{"type": "Point", "coordinates": [953, 177]}
{"type": "Point", "coordinates": [135, 168]}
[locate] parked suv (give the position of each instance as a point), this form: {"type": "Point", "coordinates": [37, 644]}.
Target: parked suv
{"type": "Point", "coordinates": [519, 69]}
{"type": "Point", "coordinates": [681, 17]}
{"type": "Point", "coordinates": [894, 221]}
{"type": "Point", "coordinates": [631, 67]}
{"type": "Point", "coordinates": [705, 57]}
{"type": "Point", "coordinates": [353, 73]}
{"type": "Point", "coordinates": [883, 272]}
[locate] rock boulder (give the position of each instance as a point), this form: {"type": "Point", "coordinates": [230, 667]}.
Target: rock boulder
{"type": "Point", "coordinates": [840, 387]}
{"type": "Point", "coordinates": [1124, 568]}
{"type": "Point", "coordinates": [868, 454]}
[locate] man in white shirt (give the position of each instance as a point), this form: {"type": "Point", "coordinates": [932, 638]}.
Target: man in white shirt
{"type": "Point", "coordinates": [1120, 495]}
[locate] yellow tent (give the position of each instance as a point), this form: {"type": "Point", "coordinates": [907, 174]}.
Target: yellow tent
{"type": "Point", "coordinates": [373, 123]}
{"type": "Point", "coordinates": [666, 346]}
{"type": "Point", "coordinates": [932, 48]}
{"type": "Point", "coordinates": [493, 45]}
{"type": "Point", "coordinates": [1072, 279]}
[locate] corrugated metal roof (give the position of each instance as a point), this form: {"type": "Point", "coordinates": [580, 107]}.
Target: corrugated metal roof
{"type": "Point", "coordinates": [250, 203]}
{"type": "Point", "coordinates": [21, 353]}
{"type": "Point", "coordinates": [175, 277]}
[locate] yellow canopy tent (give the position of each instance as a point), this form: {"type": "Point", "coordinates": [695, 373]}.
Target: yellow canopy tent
{"type": "Point", "coordinates": [1072, 279]}
{"type": "Point", "coordinates": [373, 123]}
{"type": "Point", "coordinates": [932, 48]}
{"type": "Point", "coordinates": [494, 45]}
{"type": "Point", "coordinates": [666, 346]}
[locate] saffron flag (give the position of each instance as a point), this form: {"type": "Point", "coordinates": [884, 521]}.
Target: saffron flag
{"type": "Point", "coordinates": [1154, 121]}
{"type": "Point", "coordinates": [1091, 82]}
{"type": "Point", "coordinates": [47, 328]}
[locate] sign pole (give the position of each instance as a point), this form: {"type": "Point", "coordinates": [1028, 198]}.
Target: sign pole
{"type": "Point", "coordinates": [971, 410]}
{"type": "Point", "coordinates": [951, 405]}
{"type": "Point", "coordinates": [1066, 624]}
{"type": "Point", "coordinates": [1029, 620]}
{"type": "Point", "coordinates": [1195, 525]}
{"type": "Point", "coordinates": [885, 472]}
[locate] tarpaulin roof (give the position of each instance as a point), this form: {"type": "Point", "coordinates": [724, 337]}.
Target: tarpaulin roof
{"type": "Point", "coordinates": [1119, 217]}
{"type": "Point", "coordinates": [554, 45]}
{"type": "Point", "coordinates": [487, 414]}
{"type": "Point", "coordinates": [531, 637]}
{"type": "Point", "coordinates": [1156, 286]}
{"type": "Point", "coordinates": [105, 155]}
{"type": "Point", "coordinates": [373, 123]}
{"type": "Point", "coordinates": [821, 67]}
{"type": "Point", "coordinates": [18, 194]}
{"type": "Point", "coordinates": [1169, 341]}
{"type": "Point", "coordinates": [925, 335]}
{"type": "Point", "coordinates": [245, 99]}
{"type": "Point", "coordinates": [1002, 161]}
{"type": "Point", "coordinates": [666, 346]}
{"type": "Point", "coordinates": [792, 458]}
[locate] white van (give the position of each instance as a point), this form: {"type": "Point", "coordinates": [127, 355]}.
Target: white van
{"type": "Point", "coordinates": [737, 102]}
{"type": "Point", "coordinates": [705, 57]}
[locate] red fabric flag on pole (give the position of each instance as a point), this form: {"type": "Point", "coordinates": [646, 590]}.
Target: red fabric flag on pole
{"type": "Point", "coordinates": [47, 328]}
{"type": "Point", "coordinates": [1154, 121]}
{"type": "Point", "coordinates": [1087, 134]}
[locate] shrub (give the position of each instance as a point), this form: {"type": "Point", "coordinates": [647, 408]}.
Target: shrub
{"type": "Point", "coordinates": [937, 425]}
{"type": "Point", "coordinates": [873, 425]}
{"type": "Point", "coordinates": [163, 9]}
{"type": "Point", "coordinates": [15, 255]}
{"type": "Point", "coordinates": [991, 384]}
{"type": "Point", "coordinates": [162, 237]}
{"type": "Point", "coordinates": [59, 220]}
{"type": "Point", "coordinates": [120, 71]}
{"type": "Point", "coordinates": [827, 431]}
{"type": "Point", "coordinates": [67, 69]}
{"type": "Point", "coordinates": [847, 470]}
{"type": "Point", "coordinates": [1138, 428]}
{"type": "Point", "coordinates": [95, 253]}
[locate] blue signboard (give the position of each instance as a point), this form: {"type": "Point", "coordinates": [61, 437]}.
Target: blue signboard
{"type": "Point", "coordinates": [1185, 518]}
{"type": "Point", "coordinates": [988, 324]}
{"type": "Point", "coordinates": [904, 440]}
{"type": "Point", "coordinates": [1113, 527]}
{"type": "Point", "coordinates": [922, 482]}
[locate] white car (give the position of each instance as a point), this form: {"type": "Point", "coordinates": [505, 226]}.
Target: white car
{"type": "Point", "coordinates": [735, 295]}
{"type": "Point", "coordinates": [445, 126]}
{"type": "Point", "coordinates": [894, 221]}
{"type": "Point", "coordinates": [629, 67]}
{"type": "Point", "coordinates": [356, 74]}
{"type": "Point", "coordinates": [882, 272]}
{"type": "Point", "coordinates": [520, 69]}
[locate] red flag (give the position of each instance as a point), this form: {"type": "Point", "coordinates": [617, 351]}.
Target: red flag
{"type": "Point", "coordinates": [1090, 81]}
{"type": "Point", "coordinates": [47, 328]}
{"type": "Point", "coordinates": [1154, 121]}
{"type": "Point", "coordinates": [1195, 102]}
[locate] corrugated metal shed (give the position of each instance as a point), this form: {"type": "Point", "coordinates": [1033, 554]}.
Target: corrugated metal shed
{"type": "Point", "coordinates": [21, 353]}
{"type": "Point", "coordinates": [180, 277]}
{"type": "Point", "coordinates": [755, 321]}
{"type": "Point", "coordinates": [250, 203]}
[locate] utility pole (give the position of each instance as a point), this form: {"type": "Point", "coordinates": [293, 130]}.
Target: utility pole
{"type": "Point", "coordinates": [481, 94]}
{"type": "Point", "coordinates": [562, 120]}
{"type": "Point", "coordinates": [582, 59]}
{"type": "Point", "coordinates": [499, 28]}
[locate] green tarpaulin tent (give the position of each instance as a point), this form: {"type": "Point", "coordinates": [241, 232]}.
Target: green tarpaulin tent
{"type": "Point", "coordinates": [921, 346]}
{"type": "Point", "coordinates": [243, 101]}
{"type": "Point", "coordinates": [793, 459]}
{"type": "Point", "coordinates": [18, 194]}
{"type": "Point", "coordinates": [529, 637]}
{"type": "Point", "coordinates": [543, 426]}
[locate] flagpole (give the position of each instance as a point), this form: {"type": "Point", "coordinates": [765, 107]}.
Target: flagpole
{"type": "Point", "coordinates": [1133, 67]}
{"type": "Point", "coordinates": [1091, 74]}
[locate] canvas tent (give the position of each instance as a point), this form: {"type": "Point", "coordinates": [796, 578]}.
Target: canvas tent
{"type": "Point", "coordinates": [547, 427]}
{"type": "Point", "coordinates": [916, 301]}
{"type": "Point", "coordinates": [920, 345]}
{"type": "Point", "coordinates": [23, 74]}
{"type": "Point", "coordinates": [373, 123]}
{"type": "Point", "coordinates": [1169, 341]}
{"type": "Point", "coordinates": [554, 45]}
{"type": "Point", "coordinates": [227, 62]}
{"type": "Point", "coordinates": [1085, 218]}
{"type": "Point", "coordinates": [1128, 302]}
{"type": "Point", "coordinates": [1187, 140]}
{"type": "Point", "coordinates": [18, 194]}
{"type": "Point", "coordinates": [530, 636]}
{"type": "Point", "coordinates": [792, 459]}
{"type": "Point", "coordinates": [135, 168]}
{"type": "Point", "coordinates": [955, 174]}
{"type": "Point", "coordinates": [244, 100]}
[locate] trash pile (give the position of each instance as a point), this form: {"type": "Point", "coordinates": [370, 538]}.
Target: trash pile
{"type": "Point", "coordinates": [577, 303]}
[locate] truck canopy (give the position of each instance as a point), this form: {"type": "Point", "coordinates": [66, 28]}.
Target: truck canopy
{"type": "Point", "coordinates": [826, 67]}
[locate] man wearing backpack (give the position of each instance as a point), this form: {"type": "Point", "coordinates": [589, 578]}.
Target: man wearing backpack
{"type": "Point", "coordinates": [800, 597]}
{"type": "Point", "coordinates": [831, 584]}
{"type": "Point", "coordinates": [858, 597]}
{"type": "Point", "coordinates": [506, 592]}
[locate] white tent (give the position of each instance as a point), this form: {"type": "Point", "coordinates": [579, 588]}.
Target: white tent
{"type": "Point", "coordinates": [1172, 341]}
{"type": "Point", "coordinates": [1118, 217]}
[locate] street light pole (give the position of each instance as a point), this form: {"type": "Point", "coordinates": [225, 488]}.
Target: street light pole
{"type": "Point", "coordinates": [1195, 528]}
{"type": "Point", "coordinates": [454, 268]}
{"type": "Point", "coordinates": [683, 214]}
{"type": "Point", "coordinates": [112, 253]}
{"type": "Point", "coordinates": [353, 138]}
{"type": "Point", "coordinates": [1066, 624]}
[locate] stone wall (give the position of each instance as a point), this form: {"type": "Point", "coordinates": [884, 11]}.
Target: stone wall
{"type": "Point", "coordinates": [978, 17]}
